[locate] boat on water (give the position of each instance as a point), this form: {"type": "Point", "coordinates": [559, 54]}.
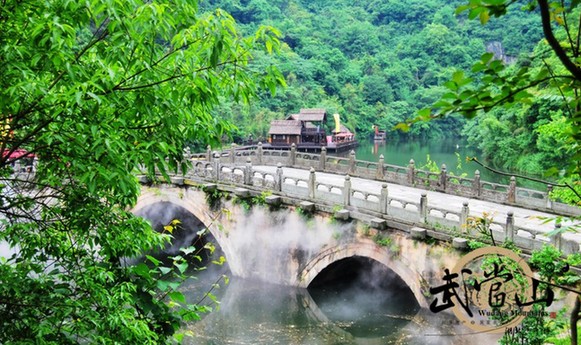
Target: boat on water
{"type": "Point", "coordinates": [307, 131]}
{"type": "Point", "coordinates": [379, 135]}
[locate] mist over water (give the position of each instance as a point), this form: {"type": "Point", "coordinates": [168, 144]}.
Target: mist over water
{"type": "Point", "coordinates": [353, 301]}
{"type": "Point", "coordinates": [252, 312]}
{"type": "Point", "coordinates": [364, 297]}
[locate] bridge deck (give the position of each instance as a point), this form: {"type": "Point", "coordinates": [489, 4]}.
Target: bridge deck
{"type": "Point", "coordinates": [523, 218]}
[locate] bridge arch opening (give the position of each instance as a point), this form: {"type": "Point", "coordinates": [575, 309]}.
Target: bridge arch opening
{"type": "Point", "coordinates": [357, 291]}
{"type": "Point", "coordinates": [190, 231]}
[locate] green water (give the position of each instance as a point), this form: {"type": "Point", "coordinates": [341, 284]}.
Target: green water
{"type": "Point", "coordinates": [454, 153]}
{"type": "Point", "coordinates": [259, 313]}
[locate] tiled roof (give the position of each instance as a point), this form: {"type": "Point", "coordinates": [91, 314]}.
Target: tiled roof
{"type": "Point", "coordinates": [285, 127]}
{"type": "Point", "coordinates": [312, 115]}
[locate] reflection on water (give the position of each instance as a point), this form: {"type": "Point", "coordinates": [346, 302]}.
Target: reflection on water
{"type": "Point", "coordinates": [253, 312]}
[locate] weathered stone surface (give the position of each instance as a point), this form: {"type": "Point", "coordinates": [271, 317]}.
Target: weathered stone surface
{"type": "Point", "coordinates": [418, 233]}
{"type": "Point", "coordinates": [274, 200]}
{"type": "Point", "coordinates": [242, 192]}
{"type": "Point", "coordinates": [142, 179]}
{"type": "Point", "coordinates": [378, 223]}
{"type": "Point", "coordinates": [177, 180]}
{"type": "Point", "coordinates": [412, 262]}
{"type": "Point", "coordinates": [307, 206]}
{"type": "Point", "coordinates": [460, 243]}
{"type": "Point", "coordinates": [210, 187]}
{"type": "Point", "coordinates": [342, 214]}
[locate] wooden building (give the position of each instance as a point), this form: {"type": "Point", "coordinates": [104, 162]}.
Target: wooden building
{"type": "Point", "coordinates": [307, 131]}
{"type": "Point", "coordinates": [285, 132]}
{"type": "Point", "coordinates": [304, 128]}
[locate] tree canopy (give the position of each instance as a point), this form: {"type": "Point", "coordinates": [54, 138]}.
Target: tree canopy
{"type": "Point", "coordinates": [96, 91]}
{"type": "Point", "coordinates": [528, 112]}
{"type": "Point", "coordinates": [536, 99]}
{"type": "Point", "coordinates": [356, 58]}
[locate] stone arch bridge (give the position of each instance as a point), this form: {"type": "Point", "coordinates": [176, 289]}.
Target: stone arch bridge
{"type": "Point", "coordinates": [349, 204]}
{"type": "Point", "coordinates": [282, 245]}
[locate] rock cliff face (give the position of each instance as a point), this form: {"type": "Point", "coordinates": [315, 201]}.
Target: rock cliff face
{"type": "Point", "coordinates": [497, 49]}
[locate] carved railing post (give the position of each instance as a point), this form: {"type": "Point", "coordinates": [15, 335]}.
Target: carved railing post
{"type": "Point", "coordinates": [209, 153]}
{"type": "Point", "coordinates": [347, 191]}
{"type": "Point", "coordinates": [259, 154]}
{"type": "Point", "coordinates": [509, 230]}
{"type": "Point", "coordinates": [293, 155]}
{"type": "Point", "coordinates": [278, 183]}
{"type": "Point", "coordinates": [312, 183]}
{"type": "Point", "coordinates": [424, 208]}
{"type": "Point", "coordinates": [464, 214]}
{"type": "Point", "coordinates": [443, 177]}
{"type": "Point", "coordinates": [322, 158]}
{"type": "Point", "coordinates": [233, 154]}
{"type": "Point", "coordinates": [557, 239]}
{"type": "Point", "coordinates": [248, 172]}
{"type": "Point", "coordinates": [34, 164]}
{"type": "Point", "coordinates": [476, 183]}
{"type": "Point", "coordinates": [411, 172]}
{"type": "Point", "coordinates": [352, 165]}
{"type": "Point", "coordinates": [186, 160]}
{"type": "Point", "coordinates": [17, 166]}
{"type": "Point", "coordinates": [380, 173]}
{"type": "Point", "coordinates": [217, 166]}
{"type": "Point", "coordinates": [511, 197]}
{"type": "Point", "coordinates": [549, 203]}
{"type": "Point", "coordinates": [383, 198]}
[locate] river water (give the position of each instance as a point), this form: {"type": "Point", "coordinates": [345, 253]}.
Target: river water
{"type": "Point", "coordinates": [355, 301]}
{"type": "Point", "coordinates": [362, 303]}
{"type": "Point", "coordinates": [251, 312]}
{"type": "Point", "coordinates": [450, 151]}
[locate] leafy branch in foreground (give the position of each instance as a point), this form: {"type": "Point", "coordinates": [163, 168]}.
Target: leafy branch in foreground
{"type": "Point", "coordinates": [95, 91]}
{"type": "Point", "coordinates": [553, 71]}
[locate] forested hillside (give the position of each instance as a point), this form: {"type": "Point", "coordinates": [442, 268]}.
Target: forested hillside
{"type": "Point", "coordinates": [374, 62]}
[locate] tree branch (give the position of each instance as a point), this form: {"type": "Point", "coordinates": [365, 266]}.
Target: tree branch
{"type": "Point", "coordinates": [565, 185]}
{"type": "Point", "coordinates": [173, 77]}
{"type": "Point", "coordinates": [557, 48]}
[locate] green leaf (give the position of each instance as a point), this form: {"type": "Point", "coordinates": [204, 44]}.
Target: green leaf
{"type": "Point", "coordinates": [177, 297]}
{"type": "Point", "coordinates": [153, 260]}
{"type": "Point", "coordinates": [484, 17]}
{"type": "Point", "coordinates": [164, 270]}
{"type": "Point", "coordinates": [142, 270]}
{"type": "Point", "coordinates": [451, 85]}
{"type": "Point", "coordinates": [425, 113]}
{"type": "Point", "coordinates": [188, 250]}
{"type": "Point", "coordinates": [162, 285]}
{"type": "Point", "coordinates": [182, 267]}
{"type": "Point", "coordinates": [486, 57]}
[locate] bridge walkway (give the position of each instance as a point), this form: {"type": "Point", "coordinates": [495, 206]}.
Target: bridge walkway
{"type": "Point", "coordinates": [523, 217]}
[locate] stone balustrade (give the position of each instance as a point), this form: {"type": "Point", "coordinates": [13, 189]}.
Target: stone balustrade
{"type": "Point", "coordinates": [379, 204]}
{"type": "Point", "coordinates": [409, 176]}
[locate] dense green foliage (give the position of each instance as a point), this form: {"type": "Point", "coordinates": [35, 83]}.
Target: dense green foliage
{"type": "Point", "coordinates": [97, 90]}
{"type": "Point", "coordinates": [531, 108]}
{"type": "Point", "coordinates": [374, 62]}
